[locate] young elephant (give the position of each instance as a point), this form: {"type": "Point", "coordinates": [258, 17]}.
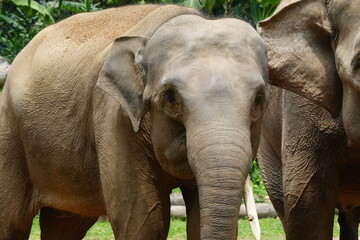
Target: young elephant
{"type": "Point", "coordinates": [311, 158]}
{"type": "Point", "coordinates": [106, 112]}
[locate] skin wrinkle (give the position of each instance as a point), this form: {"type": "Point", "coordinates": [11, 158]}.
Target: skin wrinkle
{"type": "Point", "coordinates": [224, 169]}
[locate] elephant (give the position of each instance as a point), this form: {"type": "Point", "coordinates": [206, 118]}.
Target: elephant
{"type": "Point", "coordinates": [107, 112]}
{"type": "Point", "coordinates": [309, 152]}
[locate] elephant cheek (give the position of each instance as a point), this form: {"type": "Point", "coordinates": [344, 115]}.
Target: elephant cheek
{"type": "Point", "coordinates": [179, 165]}
{"type": "Point", "coordinates": [173, 158]}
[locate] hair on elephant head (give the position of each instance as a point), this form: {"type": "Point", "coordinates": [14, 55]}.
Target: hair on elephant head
{"type": "Point", "coordinates": [204, 86]}
{"type": "Point", "coordinates": [317, 55]}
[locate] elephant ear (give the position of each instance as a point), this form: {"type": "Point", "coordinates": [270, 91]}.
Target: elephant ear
{"type": "Point", "coordinates": [121, 78]}
{"type": "Point", "coordinates": [121, 75]}
{"type": "Point", "coordinates": [301, 57]}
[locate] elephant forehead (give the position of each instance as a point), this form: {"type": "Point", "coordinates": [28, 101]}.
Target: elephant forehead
{"type": "Point", "coordinates": [194, 35]}
{"type": "Point", "coordinates": [212, 77]}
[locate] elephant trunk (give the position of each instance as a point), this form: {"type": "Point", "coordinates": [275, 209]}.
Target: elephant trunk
{"type": "Point", "coordinates": [220, 157]}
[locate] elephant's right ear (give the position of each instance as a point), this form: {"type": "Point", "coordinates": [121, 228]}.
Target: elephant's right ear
{"type": "Point", "coordinates": [301, 57]}
{"type": "Point", "coordinates": [121, 77]}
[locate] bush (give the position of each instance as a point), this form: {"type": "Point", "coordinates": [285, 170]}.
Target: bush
{"type": "Point", "coordinates": [19, 24]}
{"type": "Point", "coordinates": [21, 20]}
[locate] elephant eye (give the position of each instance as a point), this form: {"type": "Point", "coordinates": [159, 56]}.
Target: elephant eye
{"type": "Point", "coordinates": [172, 103]}
{"type": "Point", "coordinates": [259, 105]}
{"type": "Point", "coordinates": [259, 99]}
{"type": "Point", "coordinates": [170, 97]}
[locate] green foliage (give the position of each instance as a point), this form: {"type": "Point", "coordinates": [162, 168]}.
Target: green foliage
{"type": "Point", "coordinates": [36, 7]}
{"type": "Point", "coordinates": [257, 183]}
{"type": "Point", "coordinates": [251, 11]}
{"type": "Point", "coordinates": [19, 24]}
{"type": "Point", "coordinates": [63, 9]}
{"type": "Point", "coordinates": [176, 190]}
{"type": "Point", "coordinates": [21, 20]}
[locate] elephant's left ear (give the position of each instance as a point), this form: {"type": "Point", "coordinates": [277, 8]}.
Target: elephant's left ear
{"type": "Point", "coordinates": [301, 58]}
{"type": "Point", "coordinates": [121, 77]}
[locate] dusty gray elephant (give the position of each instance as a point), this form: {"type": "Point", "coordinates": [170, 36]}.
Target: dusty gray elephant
{"type": "Point", "coordinates": [106, 112]}
{"type": "Point", "coordinates": [310, 159]}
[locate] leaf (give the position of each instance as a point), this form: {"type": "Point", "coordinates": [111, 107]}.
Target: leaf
{"type": "Point", "coordinates": [75, 7]}
{"type": "Point", "coordinates": [7, 19]}
{"type": "Point", "coordinates": [88, 5]}
{"type": "Point", "coordinates": [78, 7]}
{"type": "Point", "coordinates": [196, 4]}
{"type": "Point", "coordinates": [209, 4]}
{"type": "Point", "coordinates": [35, 6]}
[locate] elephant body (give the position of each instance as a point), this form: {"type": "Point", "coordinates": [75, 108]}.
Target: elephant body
{"type": "Point", "coordinates": [311, 158]}
{"type": "Point", "coordinates": [106, 112]}
{"type": "Point", "coordinates": [307, 167]}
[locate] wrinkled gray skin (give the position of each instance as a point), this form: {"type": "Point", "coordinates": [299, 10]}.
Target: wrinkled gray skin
{"type": "Point", "coordinates": [70, 150]}
{"type": "Point", "coordinates": [310, 159]}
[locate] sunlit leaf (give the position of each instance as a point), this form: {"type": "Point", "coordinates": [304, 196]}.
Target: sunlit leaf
{"type": "Point", "coordinates": [35, 6]}
{"type": "Point", "coordinates": [209, 4]}
{"type": "Point", "coordinates": [196, 4]}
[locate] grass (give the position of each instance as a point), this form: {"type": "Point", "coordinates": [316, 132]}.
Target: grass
{"type": "Point", "coordinates": [271, 229]}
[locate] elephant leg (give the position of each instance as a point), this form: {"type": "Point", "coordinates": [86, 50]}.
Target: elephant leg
{"type": "Point", "coordinates": [349, 224]}
{"type": "Point", "coordinates": [137, 201]}
{"type": "Point", "coordinates": [135, 188]}
{"type": "Point", "coordinates": [311, 158]}
{"type": "Point", "coordinates": [138, 211]}
{"type": "Point", "coordinates": [191, 198]}
{"type": "Point", "coordinates": [57, 224]}
{"type": "Point", "coordinates": [271, 169]}
{"type": "Point", "coordinates": [309, 199]}
{"type": "Point", "coordinates": [17, 199]}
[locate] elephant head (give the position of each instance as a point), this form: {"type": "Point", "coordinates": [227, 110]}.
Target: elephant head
{"type": "Point", "coordinates": [203, 83]}
{"type": "Point", "coordinates": [314, 50]}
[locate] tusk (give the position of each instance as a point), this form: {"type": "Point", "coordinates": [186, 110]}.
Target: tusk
{"type": "Point", "coordinates": [251, 209]}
